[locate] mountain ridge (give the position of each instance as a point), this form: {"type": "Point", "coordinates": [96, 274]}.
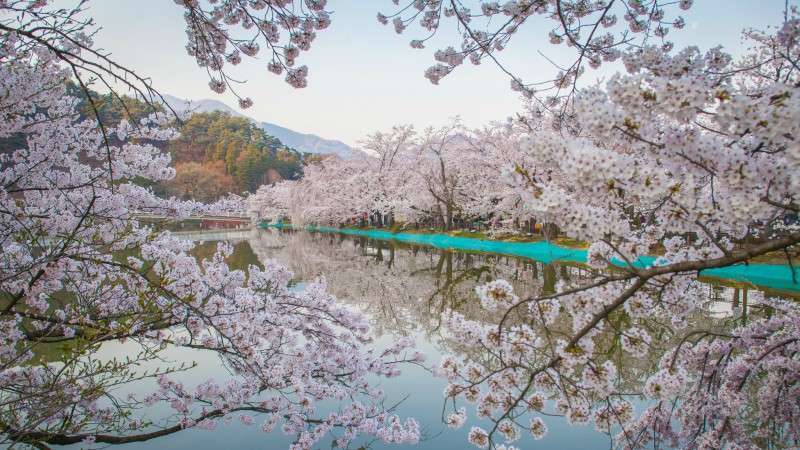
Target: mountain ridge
{"type": "Point", "coordinates": [303, 142]}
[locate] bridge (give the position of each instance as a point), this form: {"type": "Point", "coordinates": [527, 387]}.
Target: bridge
{"type": "Point", "coordinates": [159, 217]}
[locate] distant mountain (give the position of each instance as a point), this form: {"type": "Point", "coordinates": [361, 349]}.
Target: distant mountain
{"type": "Point", "coordinates": [200, 106]}
{"type": "Point", "coordinates": [308, 143]}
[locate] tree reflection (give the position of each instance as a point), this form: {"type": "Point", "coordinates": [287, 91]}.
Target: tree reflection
{"type": "Point", "coordinates": [402, 288]}
{"type": "Point", "coordinates": [408, 287]}
{"type": "Point", "coordinates": [412, 289]}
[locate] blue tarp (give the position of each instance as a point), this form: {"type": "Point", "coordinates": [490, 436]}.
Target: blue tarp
{"type": "Point", "coordinates": [774, 276]}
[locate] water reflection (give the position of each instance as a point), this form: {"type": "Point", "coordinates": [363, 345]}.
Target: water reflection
{"type": "Point", "coordinates": [404, 288]}
{"type": "Point", "coordinates": [407, 291]}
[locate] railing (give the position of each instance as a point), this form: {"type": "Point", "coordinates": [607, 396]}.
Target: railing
{"type": "Point", "coordinates": [233, 218]}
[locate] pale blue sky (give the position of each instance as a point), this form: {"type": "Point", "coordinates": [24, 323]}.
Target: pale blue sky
{"type": "Point", "coordinates": [364, 77]}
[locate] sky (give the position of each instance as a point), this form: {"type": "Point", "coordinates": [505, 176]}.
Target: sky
{"type": "Point", "coordinates": [364, 78]}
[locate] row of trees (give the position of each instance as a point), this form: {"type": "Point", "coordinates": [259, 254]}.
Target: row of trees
{"type": "Point", "coordinates": [439, 175]}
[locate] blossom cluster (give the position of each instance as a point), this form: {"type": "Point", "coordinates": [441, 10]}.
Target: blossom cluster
{"type": "Point", "coordinates": [220, 33]}
{"type": "Point", "coordinates": [487, 27]}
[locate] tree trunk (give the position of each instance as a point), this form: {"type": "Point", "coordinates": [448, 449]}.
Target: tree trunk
{"type": "Point", "coordinates": [550, 231]}
{"type": "Point", "coordinates": [549, 285]}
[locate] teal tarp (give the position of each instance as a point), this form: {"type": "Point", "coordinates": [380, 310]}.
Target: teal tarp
{"type": "Point", "coordinates": [772, 276]}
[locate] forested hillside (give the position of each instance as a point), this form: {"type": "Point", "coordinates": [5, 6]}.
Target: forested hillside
{"type": "Point", "coordinates": [231, 150]}
{"type": "Point", "coordinates": [216, 153]}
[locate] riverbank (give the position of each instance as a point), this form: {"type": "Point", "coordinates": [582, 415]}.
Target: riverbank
{"type": "Point", "coordinates": [772, 276]}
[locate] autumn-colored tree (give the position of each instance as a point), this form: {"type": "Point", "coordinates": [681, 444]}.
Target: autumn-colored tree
{"type": "Point", "coordinates": [204, 182]}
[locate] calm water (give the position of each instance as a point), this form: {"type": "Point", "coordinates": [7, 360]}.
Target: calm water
{"type": "Point", "coordinates": [404, 291]}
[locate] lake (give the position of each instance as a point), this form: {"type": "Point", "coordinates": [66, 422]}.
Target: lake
{"type": "Point", "coordinates": [404, 290]}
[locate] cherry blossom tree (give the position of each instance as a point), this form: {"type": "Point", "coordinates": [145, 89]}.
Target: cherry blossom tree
{"type": "Point", "coordinates": [689, 151]}
{"type": "Point", "coordinates": [439, 170]}
{"type": "Point", "coordinates": [221, 33]}
{"type": "Point", "coordinates": [393, 188]}
{"type": "Point", "coordinates": [271, 202]}
{"type": "Point", "coordinates": [333, 190]}
{"type": "Point", "coordinates": [78, 272]}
